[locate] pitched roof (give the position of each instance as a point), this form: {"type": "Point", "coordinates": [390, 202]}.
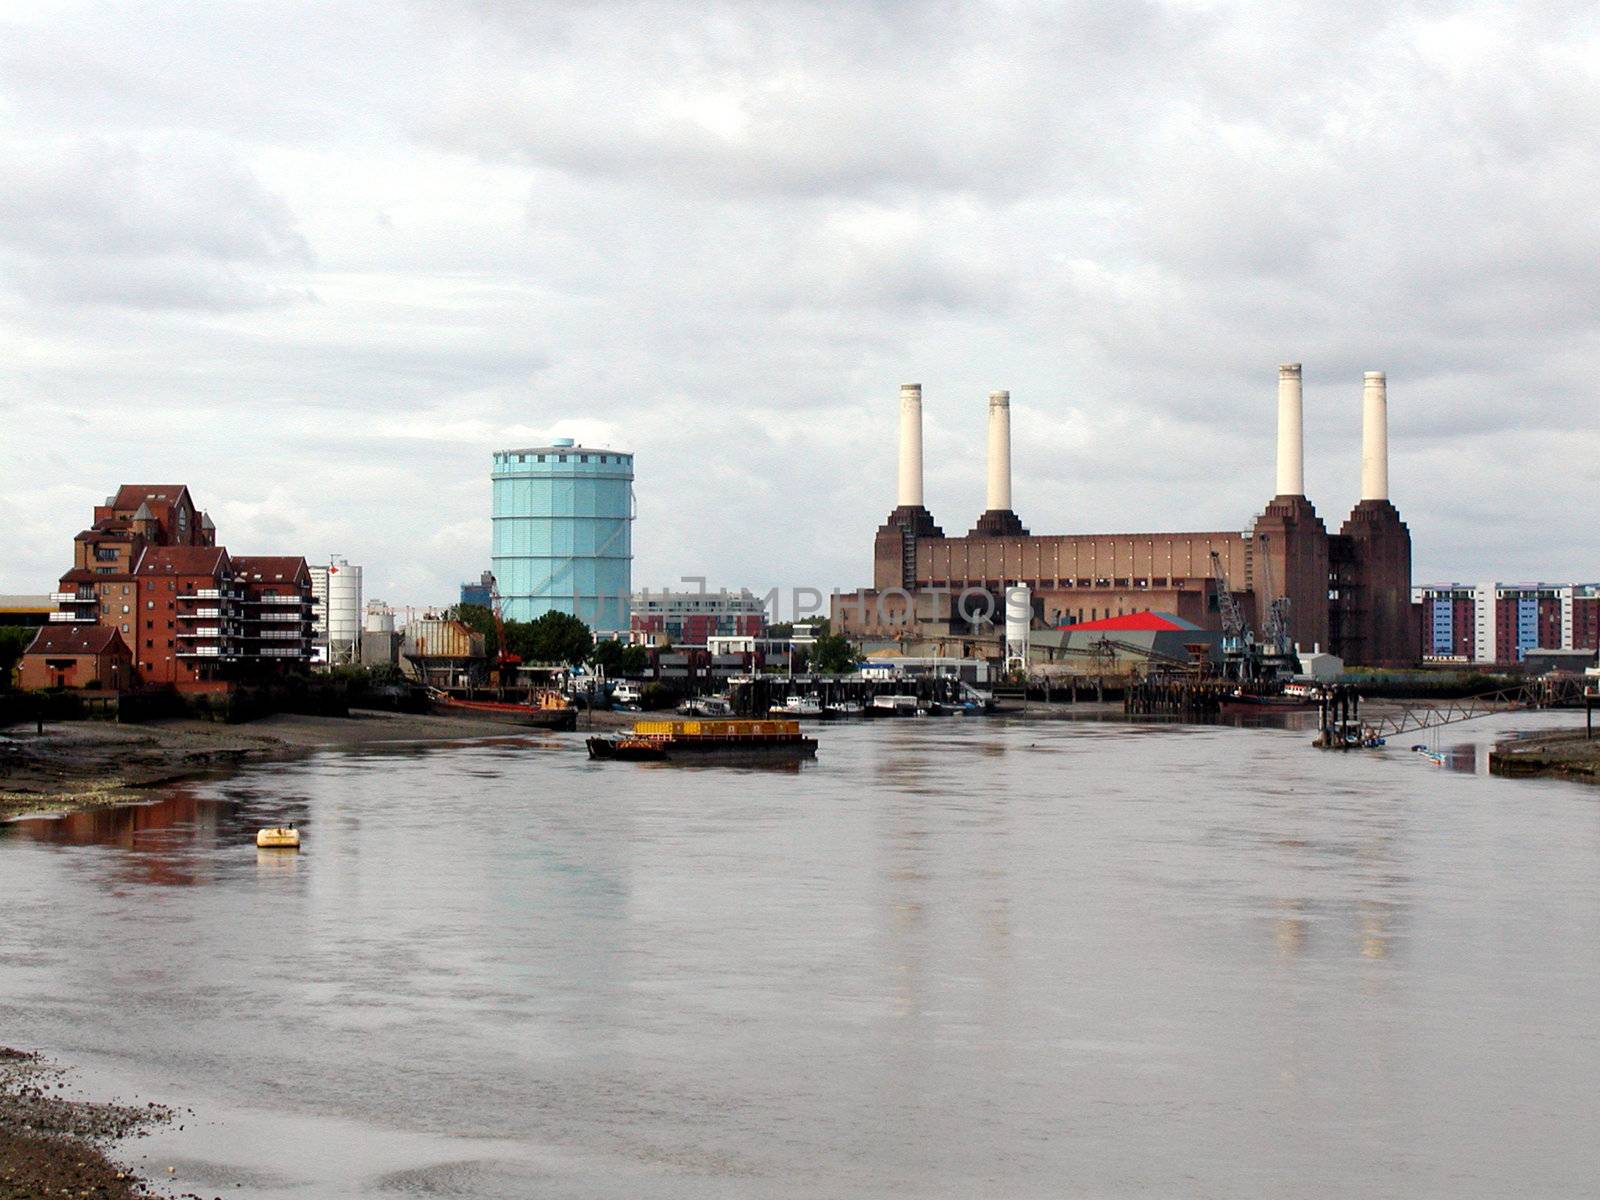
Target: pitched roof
{"type": "Point", "coordinates": [76, 639]}
{"type": "Point", "coordinates": [1148, 621]}
{"type": "Point", "coordinates": [261, 568]}
{"type": "Point", "coordinates": [85, 575]}
{"type": "Point", "coordinates": [183, 560]}
{"type": "Point", "coordinates": [131, 495]}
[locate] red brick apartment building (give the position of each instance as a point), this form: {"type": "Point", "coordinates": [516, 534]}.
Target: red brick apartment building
{"type": "Point", "coordinates": [191, 615]}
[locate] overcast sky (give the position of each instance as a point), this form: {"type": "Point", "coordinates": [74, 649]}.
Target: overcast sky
{"type": "Point", "coordinates": [318, 260]}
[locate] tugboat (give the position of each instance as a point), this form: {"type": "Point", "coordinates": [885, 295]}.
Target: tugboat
{"type": "Point", "coordinates": [707, 741]}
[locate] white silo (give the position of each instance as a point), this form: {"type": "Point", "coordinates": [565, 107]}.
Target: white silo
{"type": "Point", "coordinates": [344, 612]}
{"type": "Point", "coordinates": [1019, 620]}
{"type": "Point", "coordinates": [379, 619]}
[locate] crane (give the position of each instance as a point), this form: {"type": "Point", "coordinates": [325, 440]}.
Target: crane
{"type": "Point", "coordinates": [1237, 642]}
{"type": "Point", "coordinates": [1275, 632]}
{"type": "Point", "coordinates": [503, 659]}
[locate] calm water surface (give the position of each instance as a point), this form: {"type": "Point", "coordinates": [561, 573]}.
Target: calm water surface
{"type": "Point", "coordinates": [953, 958]}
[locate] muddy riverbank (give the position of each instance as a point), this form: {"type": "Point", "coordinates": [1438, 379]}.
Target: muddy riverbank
{"type": "Point", "coordinates": [80, 765]}
{"type": "Point", "coordinates": [52, 1146]}
{"type": "Point", "coordinates": [1564, 755]}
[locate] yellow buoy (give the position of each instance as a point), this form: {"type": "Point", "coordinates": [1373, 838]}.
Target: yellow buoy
{"type": "Point", "coordinates": [283, 837]}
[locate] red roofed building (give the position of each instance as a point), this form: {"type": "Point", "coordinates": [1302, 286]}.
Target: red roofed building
{"type": "Point", "coordinates": [64, 656]}
{"type": "Point", "coordinates": [149, 568]}
{"type": "Point", "coordinates": [1148, 621]}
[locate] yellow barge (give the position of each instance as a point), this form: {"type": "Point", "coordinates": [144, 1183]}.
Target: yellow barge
{"type": "Point", "coordinates": [706, 740]}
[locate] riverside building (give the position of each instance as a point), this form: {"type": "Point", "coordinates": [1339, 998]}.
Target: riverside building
{"type": "Point", "coordinates": [191, 616]}
{"type": "Point", "coordinates": [1349, 591]}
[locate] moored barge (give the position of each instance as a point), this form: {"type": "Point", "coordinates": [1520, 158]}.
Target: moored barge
{"type": "Point", "coordinates": [549, 710]}
{"type": "Point", "coordinates": [707, 741]}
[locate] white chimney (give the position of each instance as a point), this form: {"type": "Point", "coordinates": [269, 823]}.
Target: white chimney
{"type": "Point", "coordinates": [1291, 433]}
{"type": "Point", "coordinates": [910, 445]}
{"type": "Point", "coordinates": [1374, 437]}
{"type": "Point", "coordinates": [999, 451]}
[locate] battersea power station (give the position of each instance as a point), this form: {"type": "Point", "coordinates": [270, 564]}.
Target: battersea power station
{"type": "Point", "coordinates": [1348, 592]}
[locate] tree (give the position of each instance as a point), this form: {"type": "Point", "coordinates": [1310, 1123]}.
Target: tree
{"type": "Point", "coordinates": [634, 660]}
{"type": "Point", "coordinates": [556, 637]}
{"type": "Point", "coordinates": [607, 655]}
{"type": "Point", "coordinates": [14, 639]}
{"type": "Point", "coordinates": [833, 655]}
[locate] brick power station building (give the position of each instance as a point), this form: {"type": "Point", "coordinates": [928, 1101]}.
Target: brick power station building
{"type": "Point", "coordinates": [1349, 592]}
{"type": "Point", "coordinates": [190, 615]}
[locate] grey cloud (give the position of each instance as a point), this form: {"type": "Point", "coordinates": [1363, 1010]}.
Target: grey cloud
{"type": "Point", "coordinates": [725, 231]}
{"type": "Point", "coordinates": [170, 224]}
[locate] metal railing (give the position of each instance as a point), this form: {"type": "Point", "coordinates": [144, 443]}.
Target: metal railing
{"type": "Point", "coordinates": [1538, 693]}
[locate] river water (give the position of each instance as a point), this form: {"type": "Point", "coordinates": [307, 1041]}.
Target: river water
{"type": "Point", "coordinates": [954, 958]}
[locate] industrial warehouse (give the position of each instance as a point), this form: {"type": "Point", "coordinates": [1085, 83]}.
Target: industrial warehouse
{"type": "Point", "coordinates": [1349, 592]}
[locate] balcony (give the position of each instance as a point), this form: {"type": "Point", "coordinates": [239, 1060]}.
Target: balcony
{"type": "Point", "coordinates": [74, 618]}
{"type": "Point", "coordinates": [73, 597]}
{"type": "Point", "coordinates": [282, 599]}
{"type": "Point", "coordinates": [281, 616]}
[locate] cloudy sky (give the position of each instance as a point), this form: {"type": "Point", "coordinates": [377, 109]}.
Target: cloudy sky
{"type": "Point", "coordinates": [319, 259]}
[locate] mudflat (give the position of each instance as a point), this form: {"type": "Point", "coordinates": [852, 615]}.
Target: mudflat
{"type": "Point", "coordinates": [94, 764]}
{"type": "Point", "coordinates": [1564, 755]}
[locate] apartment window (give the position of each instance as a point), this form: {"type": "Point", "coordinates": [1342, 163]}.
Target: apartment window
{"type": "Point", "coordinates": [124, 611]}
{"type": "Point", "coordinates": [149, 624]}
{"type": "Point", "coordinates": [124, 592]}
{"type": "Point", "coordinates": [124, 629]}
{"type": "Point", "coordinates": [149, 603]}
{"type": "Point", "coordinates": [105, 570]}
{"type": "Point", "coordinates": [149, 645]}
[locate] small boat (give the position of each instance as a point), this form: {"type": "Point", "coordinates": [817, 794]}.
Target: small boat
{"type": "Point", "coordinates": [706, 741]}
{"type": "Point", "coordinates": [548, 709]}
{"type": "Point", "coordinates": [1245, 701]}
{"type": "Point", "coordinates": [799, 708]}
{"type": "Point", "coordinates": [279, 837]}
{"type": "Point", "coordinates": [705, 706]}
{"type": "Point", "coordinates": [892, 706]}
{"type": "Point", "coordinates": [626, 696]}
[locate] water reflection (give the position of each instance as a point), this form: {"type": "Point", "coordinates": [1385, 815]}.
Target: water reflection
{"type": "Point", "coordinates": [974, 958]}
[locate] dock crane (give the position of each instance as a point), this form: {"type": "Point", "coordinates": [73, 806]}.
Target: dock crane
{"type": "Point", "coordinates": [504, 660]}
{"type": "Point", "coordinates": [1238, 643]}
{"type": "Point", "coordinates": [1275, 636]}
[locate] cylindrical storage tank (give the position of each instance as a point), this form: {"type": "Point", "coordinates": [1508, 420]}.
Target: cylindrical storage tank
{"type": "Point", "coordinates": [563, 533]}
{"type": "Point", "coordinates": [344, 612]}
{"type": "Point", "coordinates": [1019, 620]}
{"type": "Point", "coordinates": [378, 619]}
